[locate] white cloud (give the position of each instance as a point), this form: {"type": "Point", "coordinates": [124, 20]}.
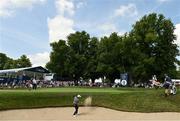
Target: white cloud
{"type": "Point", "coordinates": [177, 33]}
{"type": "Point", "coordinates": [80, 4]}
{"type": "Point", "coordinates": [126, 10]}
{"type": "Point", "coordinates": [108, 28]}
{"type": "Point", "coordinates": [65, 7]}
{"type": "Point", "coordinates": [163, 0]}
{"type": "Point", "coordinates": [39, 59]}
{"type": "Point", "coordinates": [8, 7]}
{"type": "Point", "coordinates": [61, 26]}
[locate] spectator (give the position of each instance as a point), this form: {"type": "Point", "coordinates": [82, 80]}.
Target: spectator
{"type": "Point", "coordinates": [167, 84]}
{"type": "Point", "coordinates": [34, 84]}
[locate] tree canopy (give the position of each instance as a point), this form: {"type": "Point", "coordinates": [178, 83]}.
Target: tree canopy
{"type": "Point", "coordinates": [147, 49]}
{"type": "Point", "coordinates": [154, 38]}
{"type": "Point", "coordinates": [9, 63]}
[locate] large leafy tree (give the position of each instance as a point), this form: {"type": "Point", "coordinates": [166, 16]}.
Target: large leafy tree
{"type": "Point", "coordinates": [127, 55]}
{"type": "Point", "coordinates": [60, 59]}
{"type": "Point", "coordinates": [23, 61]}
{"type": "Point", "coordinates": [109, 64]}
{"type": "Point", "coordinates": [91, 69]}
{"type": "Point", "coordinates": [154, 37]}
{"type": "Point", "coordinates": [9, 63]}
{"type": "Point", "coordinates": [70, 58]}
{"type": "Point", "coordinates": [79, 43]}
{"type": "Point", "coordinates": [3, 60]}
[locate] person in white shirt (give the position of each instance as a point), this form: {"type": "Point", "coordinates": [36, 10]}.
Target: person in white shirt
{"type": "Point", "coordinates": [34, 84]}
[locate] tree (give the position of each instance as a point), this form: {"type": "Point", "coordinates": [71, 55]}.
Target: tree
{"type": "Point", "coordinates": [146, 50]}
{"type": "Point", "coordinates": [91, 68]}
{"type": "Point", "coordinates": [154, 37]}
{"type": "Point", "coordinates": [3, 60]}
{"type": "Point", "coordinates": [60, 58]}
{"type": "Point", "coordinates": [9, 63]}
{"type": "Point", "coordinates": [70, 58]}
{"type": "Point", "coordinates": [79, 43]}
{"type": "Point", "coordinates": [108, 62]}
{"type": "Point", "coordinates": [23, 61]}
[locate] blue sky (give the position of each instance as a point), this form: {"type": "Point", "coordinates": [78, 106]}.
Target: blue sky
{"type": "Point", "coordinates": [28, 26]}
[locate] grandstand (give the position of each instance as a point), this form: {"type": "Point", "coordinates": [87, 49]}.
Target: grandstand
{"type": "Point", "coordinates": [18, 75]}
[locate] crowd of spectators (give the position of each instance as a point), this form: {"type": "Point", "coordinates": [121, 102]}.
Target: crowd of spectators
{"type": "Point", "coordinates": [35, 84]}
{"type": "Point", "coordinates": [39, 83]}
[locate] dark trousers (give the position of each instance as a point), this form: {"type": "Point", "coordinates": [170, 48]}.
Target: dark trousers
{"type": "Point", "coordinates": [34, 86]}
{"type": "Point", "coordinates": [76, 109]}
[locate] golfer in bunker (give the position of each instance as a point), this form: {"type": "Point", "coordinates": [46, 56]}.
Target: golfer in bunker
{"type": "Point", "coordinates": [76, 106]}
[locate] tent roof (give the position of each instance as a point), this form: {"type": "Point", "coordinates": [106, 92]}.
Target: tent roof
{"type": "Point", "coordinates": [39, 69]}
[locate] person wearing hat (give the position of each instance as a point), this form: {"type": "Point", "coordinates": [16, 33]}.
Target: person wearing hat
{"type": "Point", "coordinates": [76, 106]}
{"type": "Point", "coordinates": [167, 84]}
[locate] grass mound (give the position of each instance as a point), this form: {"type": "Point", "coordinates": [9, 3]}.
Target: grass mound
{"type": "Point", "coordinates": [124, 99]}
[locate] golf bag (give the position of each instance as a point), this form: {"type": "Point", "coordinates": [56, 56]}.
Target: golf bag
{"type": "Point", "coordinates": [170, 89]}
{"type": "Point", "coordinates": [173, 89]}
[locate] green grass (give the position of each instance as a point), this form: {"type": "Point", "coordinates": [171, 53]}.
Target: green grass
{"type": "Point", "coordinates": [124, 99]}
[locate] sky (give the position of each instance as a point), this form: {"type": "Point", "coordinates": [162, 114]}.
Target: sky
{"type": "Point", "coordinates": [29, 26]}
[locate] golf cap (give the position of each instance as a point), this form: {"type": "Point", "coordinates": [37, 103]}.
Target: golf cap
{"type": "Point", "coordinates": [78, 95]}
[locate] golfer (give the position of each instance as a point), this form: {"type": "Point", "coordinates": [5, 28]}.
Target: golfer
{"type": "Point", "coordinates": [76, 106]}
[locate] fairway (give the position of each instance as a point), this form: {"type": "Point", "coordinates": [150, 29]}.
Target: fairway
{"type": "Point", "coordinates": [76, 90]}
{"type": "Point", "coordinates": [124, 99]}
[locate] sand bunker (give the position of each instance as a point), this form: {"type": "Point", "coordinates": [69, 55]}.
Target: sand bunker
{"type": "Point", "coordinates": [85, 113]}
